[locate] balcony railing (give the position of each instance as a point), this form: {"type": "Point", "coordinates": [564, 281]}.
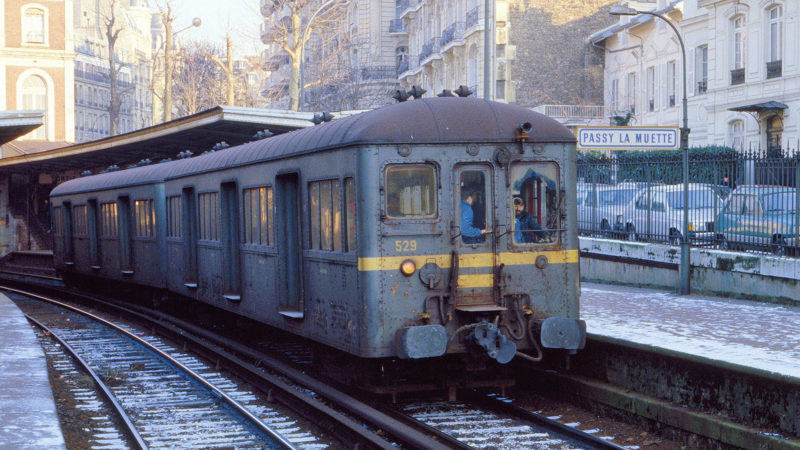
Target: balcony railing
{"type": "Point", "coordinates": [702, 87]}
{"type": "Point", "coordinates": [774, 69]}
{"type": "Point", "coordinates": [397, 26]}
{"type": "Point", "coordinates": [574, 112]}
{"type": "Point", "coordinates": [406, 5]}
{"type": "Point", "coordinates": [402, 67]}
{"type": "Point", "coordinates": [651, 105]}
{"type": "Point", "coordinates": [672, 100]}
{"type": "Point", "coordinates": [737, 76]}
{"type": "Point", "coordinates": [452, 33]}
{"type": "Point", "coordinates": [430, 47]}
{"type": "Point", "coordinates": [473, 16]}
{"type": "Point", "coordinates": [377, 72]}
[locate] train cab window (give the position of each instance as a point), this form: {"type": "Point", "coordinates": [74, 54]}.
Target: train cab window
{"type": "Point", "coordinates": [325, 215]}
{"type": "Point", "coordinates": [350, 215]}
{"type": "Point", "coordinates": [257, 206]}
{"type": "Point", "coordinates": [473, 207]}
{"type": "Point", "coordinates": [108, 220]}
{"type": "Point", "coordinates": [535, 203]}
{"type": "Point", "coordinates": [145, 219]}
{"type": "Point", "coordinates": [208, 209]}
{"type": "Point", "coordinates": [58, 221]}
{"type": "Point", "coordinates": [174, 216]}
{"type": "Point", "coordinates": [80, 221]}
{"type": "Point", "coordinates": [410, 191]}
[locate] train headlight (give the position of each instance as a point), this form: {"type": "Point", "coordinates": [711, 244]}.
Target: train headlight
{"type": "Point", "coordinates": [408, 267]}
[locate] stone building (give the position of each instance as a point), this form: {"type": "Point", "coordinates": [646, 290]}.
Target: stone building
{"type": "Point", "coordinates": [37, 69]}
{"type": "Point", "coordinates": [742, 70]}
{"type": "Point", "coordinates": [92, 83]}
{"type": "Point", "coordinates": [540, 50]}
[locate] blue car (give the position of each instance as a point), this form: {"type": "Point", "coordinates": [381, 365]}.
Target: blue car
{"type": "Point", "coordinates": [762, 217]}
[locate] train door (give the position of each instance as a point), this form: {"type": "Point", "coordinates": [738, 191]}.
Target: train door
{"type": "Point", "coordinates": [232, 280]}
{"type": "Point", "coordinates": [69, 248]}
{"type": "Point", "coordinates": [475, 260]}
{"type": "Point", "coordinates": [125, 242]}
{"type": "Point", "coordinates": [289, 253]}
{"type": "Point", "coordinates": [94, 234]}
{"type": "Point", "coordinates": [189, 220]}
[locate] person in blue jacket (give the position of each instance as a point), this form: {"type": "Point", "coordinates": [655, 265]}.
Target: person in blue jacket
{"type": "Point", "coordinates": [526, 228]}
{"type": "Point", "coordinates": [470, 234]}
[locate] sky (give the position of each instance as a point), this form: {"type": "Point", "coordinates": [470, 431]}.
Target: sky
{"type": "Point", "coordinates": [241, 17]}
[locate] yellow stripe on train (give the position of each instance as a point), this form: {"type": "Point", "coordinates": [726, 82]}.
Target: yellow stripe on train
{"type": "Point", "coordinates": [469, 260]}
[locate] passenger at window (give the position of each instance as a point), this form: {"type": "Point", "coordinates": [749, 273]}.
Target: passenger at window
{"type": "Point", "coordinates": [470, 234]}
{"type": "Point", "coordinates": [526, 229]}
{"type": "Point", "coordinates": [478, 210]}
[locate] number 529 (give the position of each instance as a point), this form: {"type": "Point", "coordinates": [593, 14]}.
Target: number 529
{"type": "Point", "coordinates": [405, 246]}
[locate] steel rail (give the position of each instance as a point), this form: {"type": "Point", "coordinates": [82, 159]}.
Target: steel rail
{"type": "Point", "coordinates": [414, 435]}
{"type": "Point", "coordinates": [565, 432]}
{"type": "Point", "coordinates": [130, 428]}
{"type": "Point", "coordinates": [250, 417]}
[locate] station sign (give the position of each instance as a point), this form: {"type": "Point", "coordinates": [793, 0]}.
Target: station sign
{"type": "Point", "coordinates": [628, 138]}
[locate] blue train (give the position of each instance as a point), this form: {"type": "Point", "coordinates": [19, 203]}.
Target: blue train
{"type": "Point", "coordinates": [426, 228]}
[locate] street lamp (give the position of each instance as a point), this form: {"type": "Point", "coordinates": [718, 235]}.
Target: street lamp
{"type": "Point", "coordinates": [168, 35]}
{"type": "Point", "coordinates": [619, 10]}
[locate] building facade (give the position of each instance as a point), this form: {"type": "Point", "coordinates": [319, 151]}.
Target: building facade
{"type": "Point", "coordinates": [37, 65]}
{"type": "Point", "coordinates": [540, 51]}
{"type": "Point", "coordinates": [742, 70]}
{"type": "Point", "coordinates": [133, 51]}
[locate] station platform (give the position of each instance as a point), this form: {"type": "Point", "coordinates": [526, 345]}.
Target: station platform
{"type": "Point", "coordinates": [28, 418]}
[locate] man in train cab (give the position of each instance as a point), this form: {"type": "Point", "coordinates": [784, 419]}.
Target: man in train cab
{"type": "Point", "coordinates": [526, 229]}
{"type": "Point", "coordinates": [470, 234]}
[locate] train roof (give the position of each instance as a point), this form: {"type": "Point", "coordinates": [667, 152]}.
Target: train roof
{"type": "Point", "coordinates": [440, 120]}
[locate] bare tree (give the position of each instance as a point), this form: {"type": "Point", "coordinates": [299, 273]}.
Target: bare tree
{"type": "Point", "coordinates": [290, 26]}
{"type": "Point", "coordinates": [231, 76]}
{"type": "Point", "coordinates": [112, 27]}
{"type": "Point", "coordinates": [198, 82]}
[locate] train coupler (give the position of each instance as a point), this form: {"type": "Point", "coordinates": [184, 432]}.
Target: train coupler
{"type": "Point", "coordinates": [497, 346]}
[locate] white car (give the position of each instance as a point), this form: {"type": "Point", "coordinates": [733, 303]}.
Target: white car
{"type": "Point", "coordinates": [601, 205]}
{"type": "Point", "coordinates": [658, 213]}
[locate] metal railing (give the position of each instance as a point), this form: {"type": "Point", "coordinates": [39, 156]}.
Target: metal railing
{"type": "Point", "coordinates": [737, 200]}
{"type": "Point", "coordinates": [737, 76]}
{"type": "Point", "coordinates": [573, 112]}
{"type": "Point", "coordinates": [452, 33]}
{"type": "Point", "coordinates": [397, 26]}
{"type": "Point", "coordinates": [377, 72]}
{"type": "Point", "coordinates": [774, 69]}
{"type": "Point", "coordinates": [473, 17]}
{"type": "Point", "coordinates": [430, 47]}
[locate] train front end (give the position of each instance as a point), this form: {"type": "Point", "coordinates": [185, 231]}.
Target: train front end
{"type": "Point", "coordinates": [477, 249]}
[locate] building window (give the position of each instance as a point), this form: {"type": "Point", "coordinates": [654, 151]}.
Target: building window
{"type": "Point", "coordinates": [34, 97]}
{"type": "Point", "coordinates": [739, 50]}
{"type": "Point", "coordinates": [145, 218]}
{"type": "Point", "coordinates": [701, 69]}
{"type": "Point", "coordinates": [614, 96]}
{"type": "Point", "coordinates": [736, 131]}
{"type": "Point", "coordinates": [774, 64]}
{"type": "Point", "coordinates": [108, 219]}
{"type": "Point", "coordinates": [257, 207]}
{"type": "Point", "coordinates": [33, 26]}
{"type": "Point", "coordinates": [651, 88]}
{"type": "Point", "coordinates": [174, 217]}
{"type": "Point", "coordinates": [58, 221]}
{"type": "Point", "coordinates": [326, 217]}
{"type": "Point", "coordinates": [631, 89]}
{"type": "Point", "coordinates": [671, 82]}
{"type": "Point", "coordinates": [208, 209]}
{"type": "Point", "coordinates": [80, 222]}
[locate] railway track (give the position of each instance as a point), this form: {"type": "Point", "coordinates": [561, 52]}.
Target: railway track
{"type": "Point", "coordinates": [163, 398]}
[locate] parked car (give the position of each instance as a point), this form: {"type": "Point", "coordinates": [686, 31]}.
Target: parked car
{"type": "Point", "coordinates": [763, 217]}
{"type": "Point", "coordinates": [658, 213]}
{"type": "Point", "coordinates": [600, 205]}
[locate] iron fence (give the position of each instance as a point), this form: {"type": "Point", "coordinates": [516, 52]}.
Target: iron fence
{"type": "Point", "coordinates": [736, 200]}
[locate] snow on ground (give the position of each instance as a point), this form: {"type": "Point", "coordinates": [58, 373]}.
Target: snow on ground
{"type": "Point", "coordinates": [754, 334]}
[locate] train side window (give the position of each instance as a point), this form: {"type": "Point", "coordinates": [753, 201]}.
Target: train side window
{"type": "Point", "coordinates": [108, 220]}
{"type": "Point", "coordinates": [58, 221]}
{"type": "Point", "coordinates": [350, 214]}
{"type": "Point", "coordinates": [535, 203]}
{"type": "Point", "coordinates": [144, 225]}
{"type": "Point", "coordinates": [410, 191]}
{"type": "Point", "coordinates": [80, 221]}
{"type": "Point", "coordinates": [257, 210]}
{"type": "Point", "coordinates": [208, 209]}
{"type": "Point", "coordinates": [174, 216]}
{"type": "Point", "coordinates": [325, 215]}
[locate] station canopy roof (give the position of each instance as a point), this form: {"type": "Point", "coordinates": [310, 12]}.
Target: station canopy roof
{"type": "Point", "coordinates": [14, 124]}
{"type": "Point", "coordinates": [196, 133]}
